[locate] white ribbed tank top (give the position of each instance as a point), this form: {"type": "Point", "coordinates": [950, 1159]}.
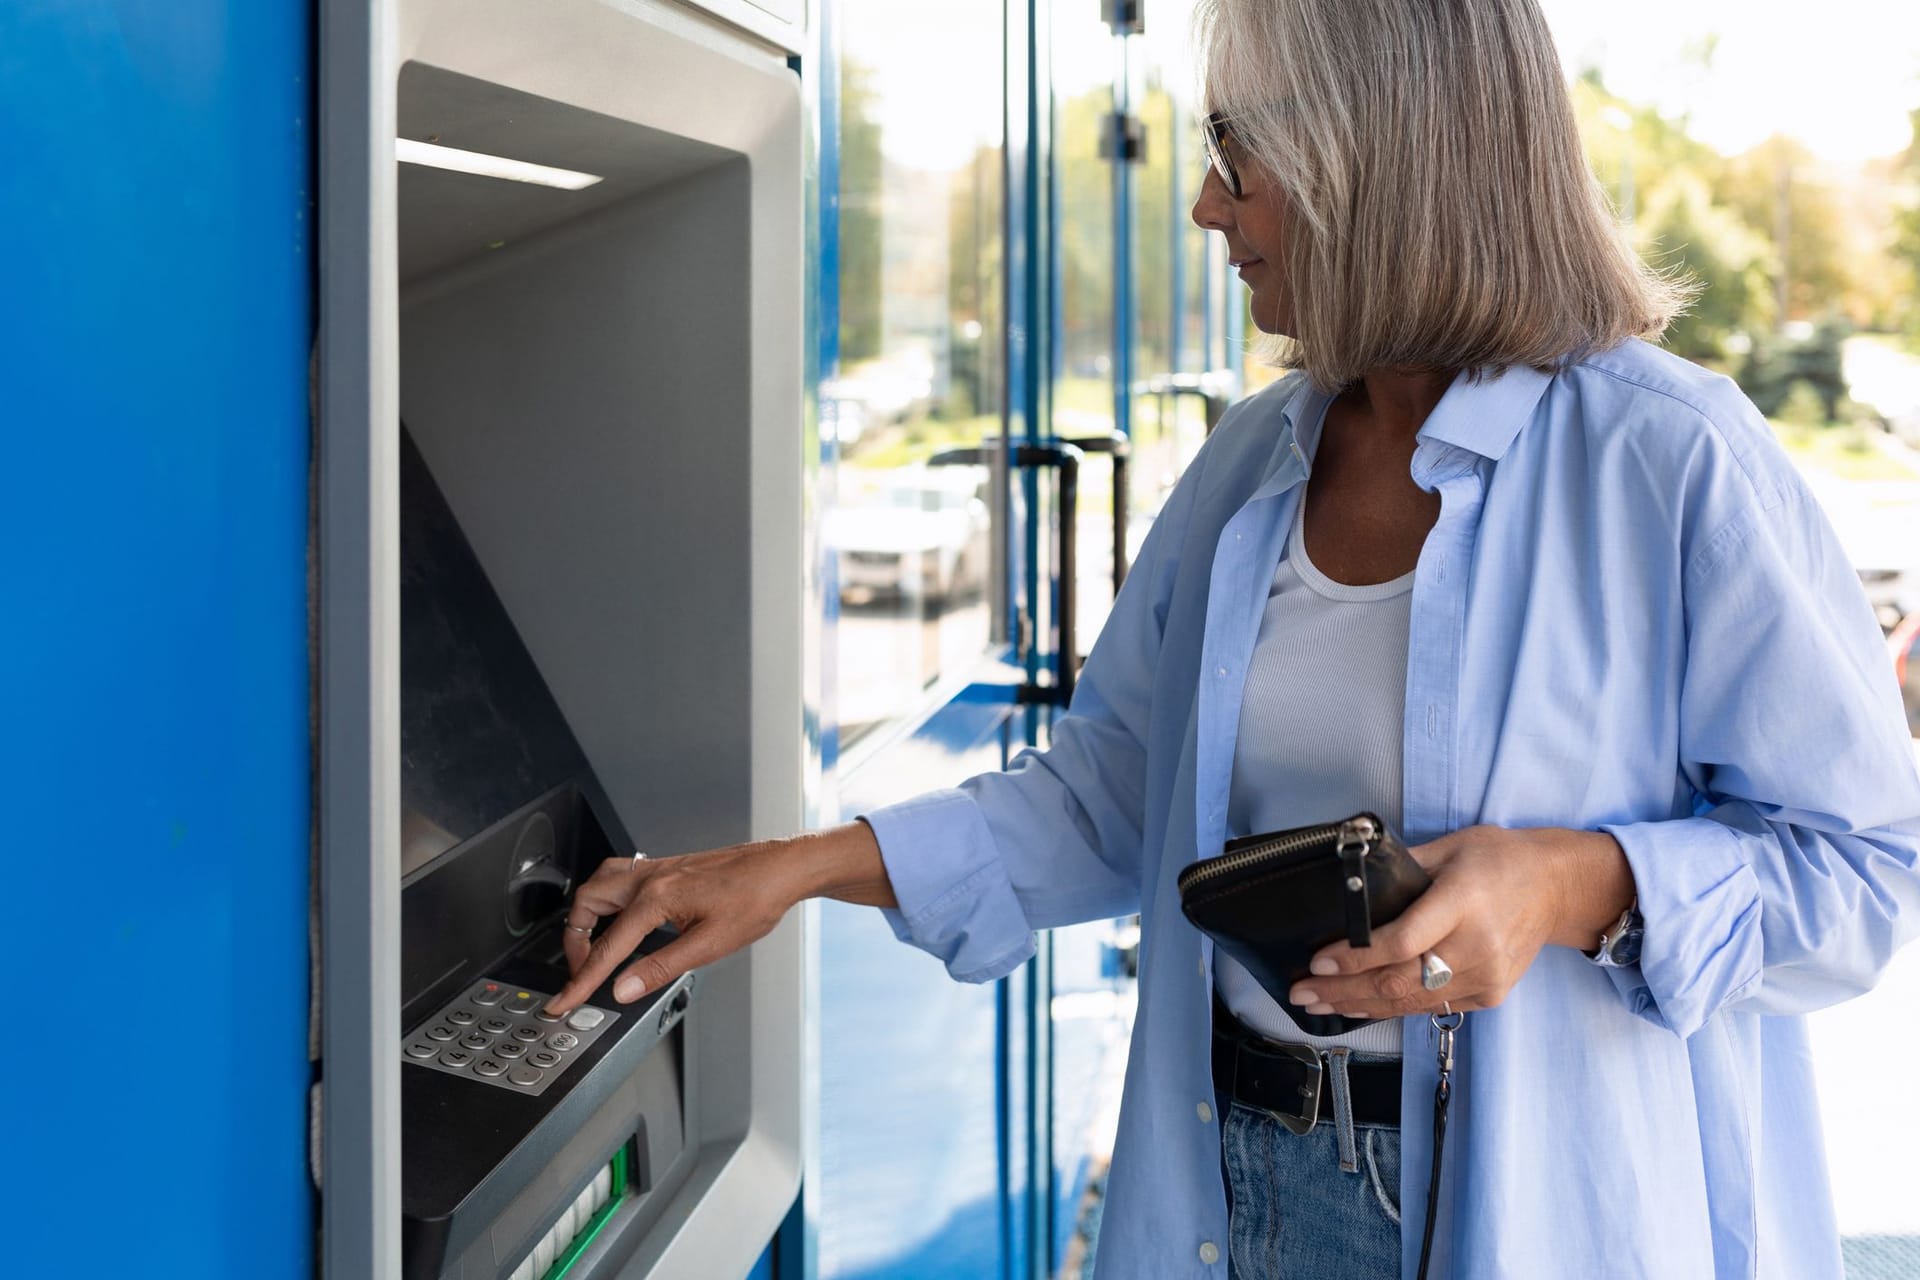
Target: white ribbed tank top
{"type": "Point", "coordinates": [1319, 738]}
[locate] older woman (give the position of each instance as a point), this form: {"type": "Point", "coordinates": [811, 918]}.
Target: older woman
{"type": "Point", "coordinates": [1549, 600]}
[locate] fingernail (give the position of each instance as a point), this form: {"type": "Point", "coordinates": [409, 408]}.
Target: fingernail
{"type": "Point", "coordinates": [629, 989]}
{"type": "Point", "coordinates": [1319, 1008]}
{"type": "Point", "coordinates": [1305, 996]}
{"type": "Point", "coordinates": [1322, 965]}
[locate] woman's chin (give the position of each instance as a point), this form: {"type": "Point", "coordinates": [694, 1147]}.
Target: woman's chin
{"type": "Point", "coordinates": [1269, 318]}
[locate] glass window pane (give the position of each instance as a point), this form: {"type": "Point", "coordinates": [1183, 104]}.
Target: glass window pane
{"type": "Point", "coordinates": [922, 215]}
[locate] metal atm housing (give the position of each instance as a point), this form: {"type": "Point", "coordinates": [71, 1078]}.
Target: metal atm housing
{"type": "Point", "coordinates": [606, 385]}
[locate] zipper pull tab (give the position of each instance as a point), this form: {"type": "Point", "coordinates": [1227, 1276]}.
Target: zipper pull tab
{"type": "Point", "coordinates": [1354, 844]}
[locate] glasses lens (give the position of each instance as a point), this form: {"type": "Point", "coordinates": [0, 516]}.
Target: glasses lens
{"type": "Point", "coordinates": [1210, 130]}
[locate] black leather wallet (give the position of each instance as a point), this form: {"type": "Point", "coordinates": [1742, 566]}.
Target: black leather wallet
{"type": "Point", "coordinates": [1272, 901]}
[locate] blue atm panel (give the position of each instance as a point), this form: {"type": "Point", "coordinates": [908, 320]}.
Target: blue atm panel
{"type": "Point", "coordinates": [154, 198]}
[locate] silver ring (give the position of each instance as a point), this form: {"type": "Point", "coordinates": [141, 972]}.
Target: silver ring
{"type": "Point", "coordinates": [1435, 973]}
{"type": "Point", "coordinates": [638, 858]}
{"type": "Point", "coordinates": [574, 928]}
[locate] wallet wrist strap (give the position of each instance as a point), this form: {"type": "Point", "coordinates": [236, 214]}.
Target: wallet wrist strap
{"type": "Point", "coordinates": [1354, 844]}
{"type": "Point", "coordinates": [1442, 1096]}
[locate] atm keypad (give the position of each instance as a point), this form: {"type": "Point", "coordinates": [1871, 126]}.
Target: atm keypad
{"type": "Point", "coordinates": [502, 1037]}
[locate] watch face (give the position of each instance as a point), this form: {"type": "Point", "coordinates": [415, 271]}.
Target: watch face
{"type": "Point", "coordinates": [1625, 950]}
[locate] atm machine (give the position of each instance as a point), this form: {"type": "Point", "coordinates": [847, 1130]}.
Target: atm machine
{"type": "Point", "coordinates": [559, 620]}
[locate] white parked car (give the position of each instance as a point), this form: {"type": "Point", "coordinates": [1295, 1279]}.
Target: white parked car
{"type": "Point", "coordinates": [915, 533]}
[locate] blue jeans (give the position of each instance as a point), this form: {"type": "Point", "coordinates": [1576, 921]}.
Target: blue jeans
{"type": "Point", "coordinates": [1319, 1206]}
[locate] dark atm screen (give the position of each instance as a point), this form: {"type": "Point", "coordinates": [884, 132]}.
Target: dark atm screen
{"type": "Point", "coordinates": [480, 733]}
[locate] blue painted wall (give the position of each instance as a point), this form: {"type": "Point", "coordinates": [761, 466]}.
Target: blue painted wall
{"type": "Point", "coordinates": [156, 289]}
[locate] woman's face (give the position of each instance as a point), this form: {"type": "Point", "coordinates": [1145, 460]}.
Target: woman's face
{"type": "Point", "coordinates": [1256, 226]}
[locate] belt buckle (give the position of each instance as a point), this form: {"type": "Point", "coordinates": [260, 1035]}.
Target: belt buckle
{"type": "Point", "coordinates": [1302, 1124]}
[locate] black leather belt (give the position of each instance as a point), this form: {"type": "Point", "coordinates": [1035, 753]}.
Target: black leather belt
{"type": "Point", "coordinates": [1289, 1081]}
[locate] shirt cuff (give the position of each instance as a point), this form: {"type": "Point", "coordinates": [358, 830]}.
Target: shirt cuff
{"type": "Point", "coordinates": [956, 900]}
{"type": "Point", "coordinates": [1700, 903]}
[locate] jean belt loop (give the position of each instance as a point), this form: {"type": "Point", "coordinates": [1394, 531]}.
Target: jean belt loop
{"type": "Point", "coordinates": [1343, 1109]}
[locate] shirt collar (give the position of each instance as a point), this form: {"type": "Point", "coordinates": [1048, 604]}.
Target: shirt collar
{"type": "Point", "coordinates": [1481, 415]}
{"type": "Point", "coordinates": [1301, 417]}
{"type": "Point", "coordinates": [1486, 414]}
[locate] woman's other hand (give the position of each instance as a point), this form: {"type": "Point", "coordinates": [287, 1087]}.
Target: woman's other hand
{"type": "Point", "coordinates": [720, 901]}
{"type": "Point", "coordinates": [1498, 896]}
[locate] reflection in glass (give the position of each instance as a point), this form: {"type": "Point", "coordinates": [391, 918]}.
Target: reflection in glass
{"type": "Point", "coordinates": [921, 349]}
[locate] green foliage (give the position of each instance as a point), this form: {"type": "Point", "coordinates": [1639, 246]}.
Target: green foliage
{"type": "Point", "coordinates": [861, 175]}
{"type": "Point", "coordinates": [1776, 189]}
{"type": "Point", "coordinates": [1906, 234]}
{"type": "Point", "coordinates": [1764, 233]}
{"type": "Point", "coordinates": [1085, 248]}
{"type": "Point", "coordinates": [1682, 230]}
{"type": "Point", "coordinates": [1788, 378]}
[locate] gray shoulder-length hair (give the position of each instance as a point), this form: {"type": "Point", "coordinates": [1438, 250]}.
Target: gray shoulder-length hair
{"type": "Point", "coordinates": [1443, 215]}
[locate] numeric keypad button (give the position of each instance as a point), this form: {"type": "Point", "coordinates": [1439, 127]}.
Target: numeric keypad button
{"type": "Point", "coordinates": [526, 1034]}
{"type": "Point", "coordinates": [455, 1058]}
{"type": "Point", "coordinates": [439, 1031]}
{"type": "Point", "coordinates": [563, 1041]}
{"type": "Point", "coordinates": [543, 1058]}
{"type": "Point", "coordinates": [489, 1067]}
{"type": "Point", "coordinates": [527, 1076]}
{"type": "Point", "coordinates": [475, 1041]}
{"type": "Point", "coordinates": [460, 1017]}
{"type": "Point", "coordinates": [421, 1049]}
{"type": "Point", "coordinates": [497, 1025]}
{"type": "Point", "coordinates": [509, 1049]}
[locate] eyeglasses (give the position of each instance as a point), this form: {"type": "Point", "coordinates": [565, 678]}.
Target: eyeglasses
{"type": "Point", "coordinates": [1214, 130]}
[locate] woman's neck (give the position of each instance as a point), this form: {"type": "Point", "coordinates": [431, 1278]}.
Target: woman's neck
{"type": "Point", "coordinates": [1395, 402]}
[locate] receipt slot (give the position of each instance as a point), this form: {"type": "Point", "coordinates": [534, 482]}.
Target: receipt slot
{"type": "Point", "coordinates": [577, 282]}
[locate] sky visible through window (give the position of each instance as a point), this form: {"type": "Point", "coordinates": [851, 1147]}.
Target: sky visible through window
{"type": "Point", "coordinates": [1839, 76]}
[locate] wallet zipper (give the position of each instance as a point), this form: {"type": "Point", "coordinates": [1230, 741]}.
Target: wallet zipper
{"type": "Point", "coordinates": [1356, 831]}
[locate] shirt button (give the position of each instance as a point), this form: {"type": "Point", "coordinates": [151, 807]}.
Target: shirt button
{"type": "Point", "coordinates": [1239, 537]}
{"type": "Point", "coordinates": [1205, 1113]}
{"type": "Point", "coordinates": [1209, 1253]}
{"type": "Point", "coordinates": [1221, 671]}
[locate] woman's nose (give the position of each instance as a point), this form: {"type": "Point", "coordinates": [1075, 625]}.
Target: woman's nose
{"type": "Point", "coordinates": [1213, 207]}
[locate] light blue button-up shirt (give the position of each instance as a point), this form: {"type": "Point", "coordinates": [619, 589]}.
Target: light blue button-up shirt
{"type": "Point", "coordinates": [1630, 616]}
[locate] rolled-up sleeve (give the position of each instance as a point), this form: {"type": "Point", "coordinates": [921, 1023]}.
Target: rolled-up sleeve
{"type": "Point", "coordinates": [956, 900]}
{"type": "Point", "coordinates": [1799, 874]}
{"type": "Point", "coordinates": [1056, 838]}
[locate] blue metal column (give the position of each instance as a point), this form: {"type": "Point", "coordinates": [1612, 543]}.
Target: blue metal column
{"type": "Point", "coordinates": [1124, 308]}
{"type": "Point", "coordinates": [155, 173]}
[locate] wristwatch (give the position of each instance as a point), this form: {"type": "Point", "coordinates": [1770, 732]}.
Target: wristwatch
{"type": "Point", "coordinates": [1620, 945]}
